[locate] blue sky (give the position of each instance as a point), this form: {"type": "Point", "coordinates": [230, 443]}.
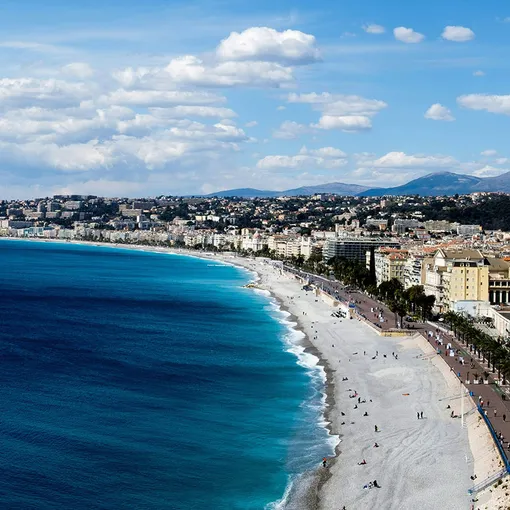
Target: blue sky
{"type": "Point", "coordinates": [133, 99]}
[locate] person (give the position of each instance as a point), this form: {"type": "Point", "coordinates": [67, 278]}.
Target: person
{"type": "Point", "coordinates": [495, 413]}
{"type": "Point", "coordinates": [448, 406]}
{"type": "Point", "coordinates": [375, 428]}
{"type": "Point", "coordinates": [366, 414]}
{"type": "Point", "coordinates": [376, 445]}
{"type": "Point", "coordinates": [421, 415]}
{"type": "Point", "coordinates": [418, 415]}
{"type": "Point", "coordinates": [488, 403]}
{"type": "Point", "coordinates": [324, 462]}
{"type": "Point", "coordinates": [376, 484]}
{"type": "Point", "coordinates": [362, 463]}
{"type": "Point", "coordinates": [452, 414]}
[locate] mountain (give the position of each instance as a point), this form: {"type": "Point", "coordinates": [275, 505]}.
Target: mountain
{"type": "Point", "coordinates": [498, 183]}
{"type": "Point", "coordinates": [337, 188]}
{"type": "Point", "coordinates": [436, 184]}
{"type": "Point", "coordinates": [245, 193]}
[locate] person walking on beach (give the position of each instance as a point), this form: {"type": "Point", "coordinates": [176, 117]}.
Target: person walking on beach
{"type": "Point", "coordinates": [376, 429]}
{"type": "Point", "coordinates": [418, 415]}
{"type": "Point", "coordinates": [421, 415]}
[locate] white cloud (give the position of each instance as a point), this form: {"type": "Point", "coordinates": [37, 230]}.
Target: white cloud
{"type": "Point", "coordinates": [281, 108]}
{"type": "Point", "coordinates": [407, 35]}
{"type": "Point", "coordinates": [290, 130]}
{"type": "Point", "coordinates": [80, 70]}
{"type": "Point", "coordinates": [403, 160]}
{"type": "Point", "coordinates": [458, 34]}
{"type": "Point", "coordinates": [344, 112]}
{"type": "Point", "coordinates": [478, 73]}
{"type": "Point", "coordinates": [372, 28]}
{"type": "Point", "coordinates": [486, 102]}
{"type": "Point", "coordinates": [349, 123]}
{"type": "Point", "coordinates": [160, 98]}
{"type": "Point", "coordinates": [487, 171]}
{"type": "Point", "coordinates": [183, 111]}
{"type": "Point", "coordinates": [324, 158]}
{"type": "Point", "coordinates": [20, 92]}
{"type": "Point", "coordinates": [439, 112]}
{"type": "Point", "coordinates": [252, 123]}
{"type": "Point", "coordinates": [267, 44]}
{"type": "Point", "coordinates": [501, 161]}
{"type": "Point", "coordinates": [489, 152]}
{"type": "Point", "coordinates": [191, 70]}
{"type": "Point", "coordinates": [324, 152]}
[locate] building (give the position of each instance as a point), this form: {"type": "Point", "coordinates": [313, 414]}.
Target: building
{"type": "Point", "coordinates": [413, 269]}
{"type": "Point", "coordinates": [499, 281]}
{"type": "Point", "coordinates": [469, 230]}
{"type": "Point", "coordinates": [354, 248]}
{"type": "Point", "coordinates": [456, 275]}
{"type": "Point", "coordinates": [389, 264]}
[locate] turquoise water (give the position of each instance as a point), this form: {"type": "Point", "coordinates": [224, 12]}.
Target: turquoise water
{"type": "Point", "coordinates": [147, 381]}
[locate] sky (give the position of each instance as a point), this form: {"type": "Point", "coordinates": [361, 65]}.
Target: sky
{"type": "Point", "coordinates": [130, 98]}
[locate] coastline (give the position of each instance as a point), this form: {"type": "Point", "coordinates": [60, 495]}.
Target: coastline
{"type": "Point", "coordinates": [327, 484]}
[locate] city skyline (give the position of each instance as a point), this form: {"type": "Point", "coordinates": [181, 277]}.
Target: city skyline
{"type": "Point", "coordinates": [126, 100]}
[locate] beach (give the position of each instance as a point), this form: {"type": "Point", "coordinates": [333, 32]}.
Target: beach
{"type": "Point", "coordinates": [428, 460]}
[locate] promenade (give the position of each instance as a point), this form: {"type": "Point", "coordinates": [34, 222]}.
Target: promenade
{"type": "Point", "coordinates": [496, 405]}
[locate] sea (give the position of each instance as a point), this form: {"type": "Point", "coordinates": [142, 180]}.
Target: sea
{"type": "Point", "coordinates": [131, 379]}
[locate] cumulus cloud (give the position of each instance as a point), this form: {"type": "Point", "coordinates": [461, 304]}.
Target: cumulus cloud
{"type": "Point", "coordinates": [372, 28]}
{"type": "Point", "coordinates": [344, 112]}
{"type": "Point", "coordinates": [487, 171]}
{"type": "Point", "coordinates": [191, 70]}
{"type": "Point", "coordinates": [489, 152]}
{"type": "Point", "coordinates": [403, 160]}
{"type": "Point", "coordinates": [160, 97]}
{"type": "Point", "coordinates": [439, 112]}
{"type": "Point", "coordinates": [323, 158]}
{"type": "Point", "coordinates": [80, 70]}
{"type": "Point", "coordinates": [267, 44]}
{"type": "Point", "coordinates": [290, 130]}
{"type": "Point", "coordinates": [458, 34]}
{"type": "Point", "coordinates": [252, 123]}
{"type": "Point", "coordinates": [407, 35]}
{"type": "Point", "coordinates": [486, 102]}
{"type": "Point", "coordinates": [20, 92]}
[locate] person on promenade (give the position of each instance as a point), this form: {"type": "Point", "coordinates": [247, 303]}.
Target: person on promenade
{"type": "Point", "coordinates": [488, 403]}
{"type": "Point", "coordinates": [495, 412]}
{"type": "Point", "coordinates": [504, 417]}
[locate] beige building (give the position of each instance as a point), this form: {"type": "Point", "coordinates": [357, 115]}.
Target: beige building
{"type": "Point", "coordinates": [456, 275]}
{"type": "Point", "coordinates": [389, 264]}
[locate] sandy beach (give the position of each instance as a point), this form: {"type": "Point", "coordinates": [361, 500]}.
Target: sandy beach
{"type": "Point", "coordinates": [426, 462]}
{"type": "Point", "coordinates": [380, 381]}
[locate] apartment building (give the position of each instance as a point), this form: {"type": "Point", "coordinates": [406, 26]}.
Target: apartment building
{"type": "Point", "coordinates": [354, 248]}
{"type": "Point", "coordinates": [456, 275]}
{"type": "Point", "coordinates": [389, 264]}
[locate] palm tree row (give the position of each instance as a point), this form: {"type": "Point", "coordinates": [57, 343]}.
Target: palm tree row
{"type": "Point", "coordinates": [493, 351]}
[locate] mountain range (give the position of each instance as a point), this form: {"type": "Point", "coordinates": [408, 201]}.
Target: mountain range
{"type": "Point", "coordinates": [435, 184]}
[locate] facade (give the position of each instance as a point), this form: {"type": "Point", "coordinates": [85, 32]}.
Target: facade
{"type": "Point", "coordinates": [413, 270]}
{"type": "Point", "coordinates": [354, 248]}
{"type": "Point", "coordinates": [499, 281]}
{"type": "Point", "coordinates": [456, 275]}
{"type": "Point", "coordinates": [389, 264]}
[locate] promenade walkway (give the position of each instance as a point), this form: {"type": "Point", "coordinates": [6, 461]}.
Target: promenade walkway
{"type": "Point", "coordinates": [495, 406]}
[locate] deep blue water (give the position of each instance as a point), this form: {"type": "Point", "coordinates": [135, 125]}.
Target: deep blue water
{"type": "Point", "coordinates": [145, 381]}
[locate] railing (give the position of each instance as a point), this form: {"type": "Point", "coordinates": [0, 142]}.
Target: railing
{"type": "Point", "coordinates": [495, 438]}
{"type": "Point", "coordinates": [487, 482]}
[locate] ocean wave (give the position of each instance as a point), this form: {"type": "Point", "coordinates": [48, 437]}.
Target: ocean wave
{"type": "Point", "coordinates": [293, 340]}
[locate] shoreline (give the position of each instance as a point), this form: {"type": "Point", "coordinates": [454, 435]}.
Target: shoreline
{"type": "Point", "coordinates": [320, 487]}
